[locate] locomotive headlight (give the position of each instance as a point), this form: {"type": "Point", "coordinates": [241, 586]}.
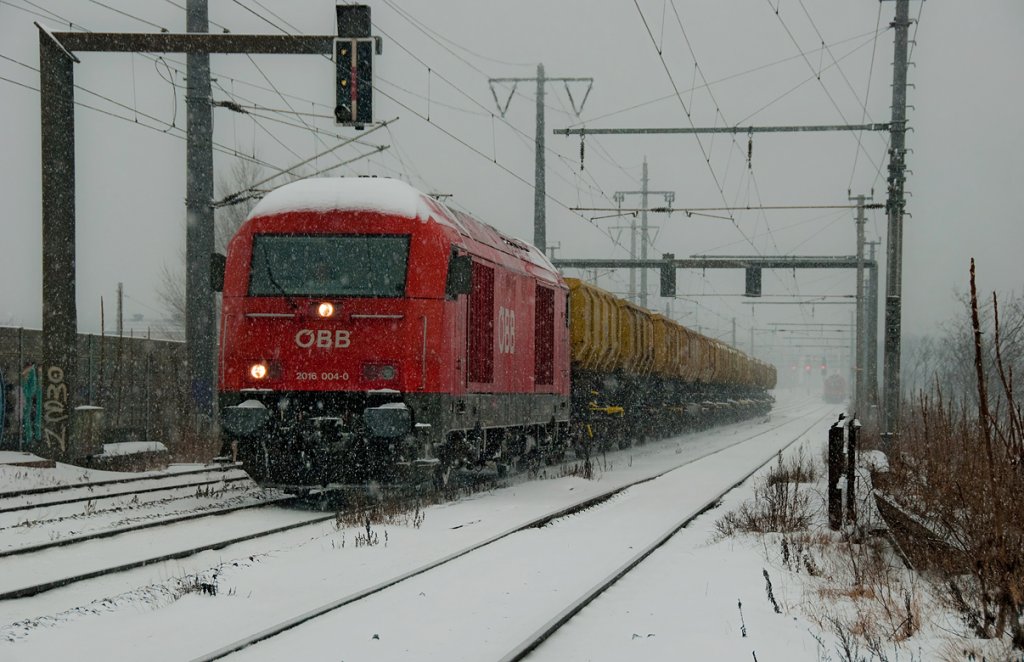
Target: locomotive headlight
{"type": "Point", "coordinates": [325, 309]}
{"type": "Point", "coordinates": [258, 370]}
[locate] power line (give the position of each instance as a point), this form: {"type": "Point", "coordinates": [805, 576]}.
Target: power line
{"type": "Point", "coordinates": [818, 74]}
{"type": "Point", "coordinates": [131, 16]}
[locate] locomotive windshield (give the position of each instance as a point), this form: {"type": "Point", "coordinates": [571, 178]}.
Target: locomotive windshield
{"type": "Point", "coordinates": [329, 265]}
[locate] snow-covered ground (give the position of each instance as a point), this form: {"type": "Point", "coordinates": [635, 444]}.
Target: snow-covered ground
{"type": "Point", "coordinates": [49, 523]}
{"type": "Point", "coordinates": [682, 603]}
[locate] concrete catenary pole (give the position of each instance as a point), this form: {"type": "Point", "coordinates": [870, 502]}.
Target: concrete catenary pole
{"type": "Point", "coordinates": [872, 325]}
{"type": "Point", "coordinates": [539, 218]}
{"type": "Point", "coordinates": [539, 188]}
{"type": "Point", "coordinates": [859, 373]}
{"type": "Point", "coordinates": [645, 194]}
{"type": "Point", "coordinates": [199, 303]}
{"type": "Point", "coordinates": [60, 313]}
{"type": "Point", "coordinates": [643, 234]}
{"type": "Point", "coordinates": [895, 205]}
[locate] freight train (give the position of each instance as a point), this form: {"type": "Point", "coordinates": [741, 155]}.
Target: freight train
{"type": "Point", "coordinates": [370, 333]}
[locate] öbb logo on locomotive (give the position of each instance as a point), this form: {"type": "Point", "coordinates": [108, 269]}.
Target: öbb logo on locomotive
{"type": "Point", "coordinates": [323, 338]}
{"type": "Point", "coordinates": [506, 330]}
{"type": "Point", "coordinates": [371, 334]}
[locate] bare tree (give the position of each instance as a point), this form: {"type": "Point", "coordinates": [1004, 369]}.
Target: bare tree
{"type": "Point", "coordinates": [227, 220]}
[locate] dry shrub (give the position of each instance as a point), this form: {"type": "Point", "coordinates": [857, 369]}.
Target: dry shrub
{"type": "Point", "coordinates": [779, 505]}
{"type": "Point", "coordinates": [800, 468]}
{"type": "Point", "coordinates": [392, 512]}
{"type": "Point", "coordinates": [962, 473]}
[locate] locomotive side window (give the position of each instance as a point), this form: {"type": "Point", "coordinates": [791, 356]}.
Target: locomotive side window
{"type": "Point", "coordinates": [481, 325]}
{"type": "Point", "coordinates": [544, 337]}
{"type": "Point", "coordinates": [329, 265]}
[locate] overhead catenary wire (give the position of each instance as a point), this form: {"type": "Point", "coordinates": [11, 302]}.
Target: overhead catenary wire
{"type": "Point", "coordinates": [231, 199]}
{"type": "Point", "coordinates": [686, 111]}
{"type": "Point", "coordinates": [165, 129]}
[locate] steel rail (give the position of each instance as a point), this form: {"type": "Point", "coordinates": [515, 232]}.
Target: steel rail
{"type": "Point", "coordinates": [114, 495]}
{"type": "Point", "coordinates": [118, 481]}
{"type": "Point", "coordinates": [64, 542]}
{"type": "Point", "coordinates": [57, 583]}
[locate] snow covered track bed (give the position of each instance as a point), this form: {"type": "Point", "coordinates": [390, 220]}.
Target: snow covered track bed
{"type": "Point", "coordinates": [67, 488]}
{"type": "Point", "coordinates": [53, 566]}
{"type": "Point", "coordinates": [67, 514]}
{"type": "Point", "coordinates": [509, 592]}
{"type": "Point", "coordinates": [572, 533]}
{"type": "Point", "coordinates": [96, 500]}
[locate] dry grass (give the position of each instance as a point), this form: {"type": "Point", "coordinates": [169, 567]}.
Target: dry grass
{"type": "Point", "coordinates": [962, 472]}
{"type": "Point", "coordinates": [779, 505]}
{"type": "Point", "coordinates": [859, 591]}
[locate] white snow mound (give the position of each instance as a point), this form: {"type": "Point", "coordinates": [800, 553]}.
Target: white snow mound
{"type": "Point", "coordinates": [379, 194]}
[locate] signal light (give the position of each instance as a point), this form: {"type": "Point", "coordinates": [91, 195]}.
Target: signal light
{"type": "Point", "coordinates": [807, 368]}
{"type": "Point", "coordinates": [668, 277]}
{"type": "Point", "coordinates": [258, 371]}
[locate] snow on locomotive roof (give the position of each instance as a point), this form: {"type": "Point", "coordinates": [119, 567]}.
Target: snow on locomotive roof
{"type": "Point", "coordinates": [387, 196]}
{"type": "Point", "coordinates": [380, 194]}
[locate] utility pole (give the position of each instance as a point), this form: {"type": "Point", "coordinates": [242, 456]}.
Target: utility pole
{"type": "Point", "coordinates": [619, 196]}
{"type": "Point", "coordinates": [895, 204]}
{"type": "Point", "coordinates": [643, 241]}
{"type": "Point", "coordinates": [872, 324]}
{"type": "Point", "coordinates": [644, 194]}
{"type": "Point", "coordinates": [539, 191]}
{"type": "Point", "coordinates": [734, 332]}
{"type": "Point", "coordinates": [199, 303]}
{"type": "Point", "coordinates": [60, 313]}
{"type": "Point", "coordinates": [120, 310]}
{"type": "Point", "coordinates": [540, 183]}
{"type": "Point", "coordinates": [854, 363]}
{"type": "Point", "coordinates": [859, 381]}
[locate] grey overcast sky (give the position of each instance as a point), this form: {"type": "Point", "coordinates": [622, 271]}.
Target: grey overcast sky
{"type": "Point", "coordinates": [765, 62]}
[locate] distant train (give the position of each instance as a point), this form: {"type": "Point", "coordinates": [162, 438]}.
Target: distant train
{"type": "Point", "coordinates": [835, 389]}
{"type": "Point", "coordinates": [369, 333]}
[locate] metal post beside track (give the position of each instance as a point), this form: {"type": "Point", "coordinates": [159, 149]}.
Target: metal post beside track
{"type": "Point", "coordinates": [851, 469]}
{"type": "Point", "coordinates": [835, 469]}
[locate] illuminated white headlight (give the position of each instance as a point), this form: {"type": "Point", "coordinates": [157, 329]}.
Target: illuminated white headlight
{"type": "Point", "coordinates": [325, 309]}
{"type": "Point", "coordinates": [258, 371]}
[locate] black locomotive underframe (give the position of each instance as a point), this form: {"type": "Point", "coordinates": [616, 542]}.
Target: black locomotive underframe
{"type": "Point", "coordinates": [316, 438]}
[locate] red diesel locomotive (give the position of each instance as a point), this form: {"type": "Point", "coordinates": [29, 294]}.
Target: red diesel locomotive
{"type": "Point", "coordinates": [368, 331]}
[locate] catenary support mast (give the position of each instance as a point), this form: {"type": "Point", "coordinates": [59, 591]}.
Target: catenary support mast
{"type": "Point", "coordinates": [199, 303]}
{"type": "Point", "coordinates": [539, 188]}
{"type": "Point", "coordinates": [895, 205]}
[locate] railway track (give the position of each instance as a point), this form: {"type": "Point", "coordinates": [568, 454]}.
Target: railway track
{"type": "Point", "coordinates": [317, 619]}
{"type": "Point", "coordinates": [117, 557]}
{"type": "Point", "coordinates": [92, 485]}
{"type": "Point", "coordinates": [94, 499]}
{"type": "Point", "coordinates": [118, 531]}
